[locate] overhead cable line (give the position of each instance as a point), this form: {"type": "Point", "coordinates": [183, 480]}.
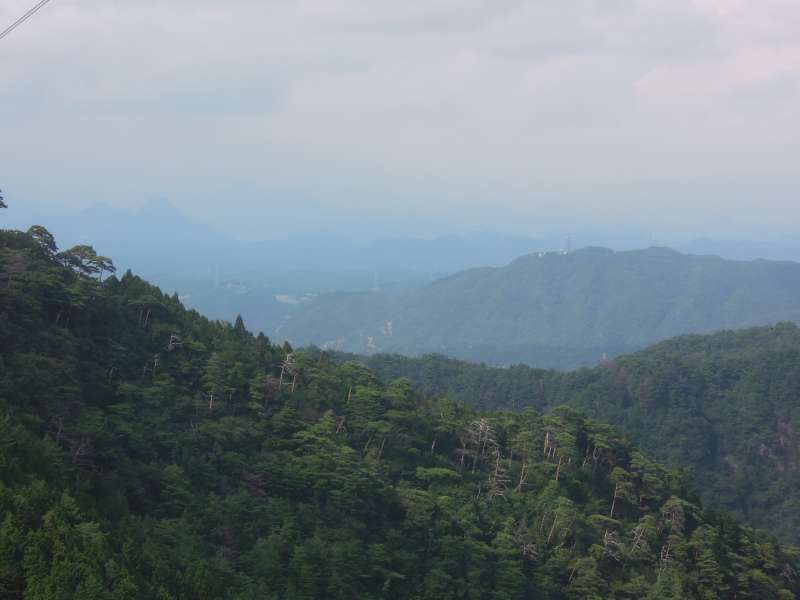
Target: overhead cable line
{"type": "Point", "coordinates": [23, 18]}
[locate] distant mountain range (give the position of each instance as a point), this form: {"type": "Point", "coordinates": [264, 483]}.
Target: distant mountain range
{"type": "Point", "coordinates": [556, 309]}
{"type": "Point", "coordinates": [356, 291]}
{"type": "Point", "coordinates": [785, 248]}
{"type": "Point", "coordinates": [158, 238]}
{"type": "Point", "coordinates": [264, 281]}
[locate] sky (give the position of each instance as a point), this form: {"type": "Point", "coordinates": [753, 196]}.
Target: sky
{"type": "Point", "coordinates": [268, 116]}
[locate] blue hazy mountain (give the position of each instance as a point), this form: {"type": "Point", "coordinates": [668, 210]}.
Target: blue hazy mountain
{"type": "Point", "coordinates": [340, 284]}
{"type": "Point", "coordinates": [784, 248]}
{"type": "Point", "coordinates": [158, 238]}
{"type": "Point", "coordinates": [264, 281]}
{"type": "Point", "coordinates": [556, 309]}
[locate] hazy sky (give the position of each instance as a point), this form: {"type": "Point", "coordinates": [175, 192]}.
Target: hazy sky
{"type": "Point", "coordinates": [267, 115]}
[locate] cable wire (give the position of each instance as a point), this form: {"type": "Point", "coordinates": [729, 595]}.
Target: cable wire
{"type": "Point", "coordinates": [23, 18]}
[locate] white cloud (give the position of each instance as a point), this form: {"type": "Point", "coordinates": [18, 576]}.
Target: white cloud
{"type": "Point", "coordinates": [454, 108]}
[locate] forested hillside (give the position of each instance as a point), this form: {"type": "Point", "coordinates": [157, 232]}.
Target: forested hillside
{"type": "Point", "coordinates": [146, 452]}
{"type": "Point", "coordinates": [557, 310]}
{"type": "Point", "coordinates": [727, 406]}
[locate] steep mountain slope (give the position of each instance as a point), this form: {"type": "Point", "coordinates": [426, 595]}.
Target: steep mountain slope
{"type": "Point", "coordinates": [727, 406]}
{"type": "Point", "coordinates": [557, 310]}
{"type": "Point", "coordinates": [146, 452]}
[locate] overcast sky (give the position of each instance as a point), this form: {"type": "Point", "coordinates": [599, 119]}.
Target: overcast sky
{"type": "Point", "coordinates": [266, 115]}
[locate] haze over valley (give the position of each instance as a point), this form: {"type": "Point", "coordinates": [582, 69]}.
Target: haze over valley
{"type": "Point", "coordinates": [552, 301]}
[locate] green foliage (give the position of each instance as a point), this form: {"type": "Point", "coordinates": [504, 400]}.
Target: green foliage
{"type": "Point", "coordinates": [304, 478]}
{"type": "Point", "coordinates": [723, 405]}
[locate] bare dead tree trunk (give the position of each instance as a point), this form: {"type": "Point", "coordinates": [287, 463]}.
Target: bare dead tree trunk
{"type": "Point", "coordinates": [174, 342]}
{"type": "Point", "coordinates": [366, 446]}
{"type": "Point", "coordinates": [614, 501]}
{"type": "Point", "coordinates": [286, 367]}
{"type": "Point", "coordinates": [523, 475]}
{"type": "Point", "coordinates": [638, 533]}
{"type": "Point", "coordinates": [664, 558]}
{"type": "Point", "coordinates": [572, 574]}
{"type": "Point", "coordinates": [498, 482]}
{"type": "Point", "coordinates": [82, 454]}
{"type": "Point", "coordinates": [552, 529]}
{"type": "Point", "coordinates": [380, 450]}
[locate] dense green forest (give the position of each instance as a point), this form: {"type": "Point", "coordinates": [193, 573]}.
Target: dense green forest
{"type": "Point", "coordinates": [146, 452]}
{"type": "Point", "coordinates": [556, 310]}
{"type": "Point", "coordinates": [727, 406]}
